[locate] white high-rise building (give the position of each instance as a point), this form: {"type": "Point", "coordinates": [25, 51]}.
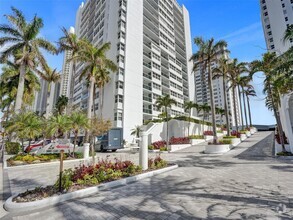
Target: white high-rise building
{"type": "Point", "coordinates": [276, 16]}
{"type": "Point", "coordinates": [151, 45]}
{"type": "Point", "coordinates": [202, 96]}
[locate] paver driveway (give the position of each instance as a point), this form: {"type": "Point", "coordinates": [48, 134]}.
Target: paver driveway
{"type": "Point", "coordinates": [245, 183]}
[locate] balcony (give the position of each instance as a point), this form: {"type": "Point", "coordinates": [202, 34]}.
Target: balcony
{"type": "Point", "coordinates": [149, 88]}
{"type": "Point", "coordinates": [147, 111]}
{"type": "Point", "coordinates": [148, 99]}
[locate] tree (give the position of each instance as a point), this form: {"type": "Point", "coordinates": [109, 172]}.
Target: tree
{"type": "Point", "coordinates": [268, 65]}
{"type": "Point", "coordinates": [222, 71]}
{"type": "Point", "coordinates": [249, 91]}
{"type": "Point", "coordinates": [208, 52]}
{"type": "Point", "coordinates": [95, 60]}
{"type": "Point", "coordinates": [51, 76]}
{"type": "Point", "coordinates": [205, 108]}
{"type": "Point", "coordinates": [25, 125]}
{"type": "Point", "coordinates": [136, 131]}
{"type": "Point", "coordinates": [21, 38]}
{"type": "Point", "coordinates": [70, 42]}
{"type": "Point", "coordinates": [244, 83]}
{"type": "Point", "coordinates": [58, 125]}
{"type": "Point", "coordinates": [61, 104]}
{"type": "Point", "coordinates": [78, 121]}
{"type": "Point", "coordinates": [235, 69]}
{"type": "Point", "coordinates": [221, 112]}
{"type": "Point", "coordinates": [288, 35]}
{"type": "Point", "coordinates": [165, 102]}
{"type": "Point", "coordinates": [188, 106]}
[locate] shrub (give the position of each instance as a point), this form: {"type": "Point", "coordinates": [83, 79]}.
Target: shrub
{"type": "Point", "coordinates": [12, 147]}
{"type": "Point", "coordinates": [159, 144]}
{"type": "Point", "coordinates": [163, 149]}
{"type": "Point", "coordinates": [228, 137]}
{"type": "Point", "coordinates": [196, 137]}
{"type": "Point", "coordinates": [179, 140]}
{"type": "Point", "coordinates": [210, 133]}
{"type": "Point", "coordinates": [284, 154]}
{"type": "Point", "coordinates": [235, 133]}
{"type": "Point", "coordinates": [151, 147]}
{"type": "Point", "coordinates": [242, 132]}
{"type": "Point", "coordinates": [219, 131]}
{"type": "Point", "coordinates": [157, 163]}
{"type": "Point", "coordinates": [225, 141]}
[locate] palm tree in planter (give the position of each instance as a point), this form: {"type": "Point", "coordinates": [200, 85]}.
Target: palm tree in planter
{"type": "Point", "coordinates": [58, 125]}
{"type": "Point", "coordinates": [165, 102]}
{"type": "Point", "coordinates": [61, 104]}
{"type": "Point", "coordinates": [95, 60]}
{"type": "Point", "coordinates": [208, 52]}
{"type": "Point", "coordinates": [249, 91]}
{"type": "Point", "coordinates": [222, 71]}
{"type": "Point", "coordinates": [188, 106]}
{"type": "Point", "coordinates": [244, 83]}
{"type": "Point", "coordinates": [21, 38]}
{"type": "Point", "coordinates": [78, 121]}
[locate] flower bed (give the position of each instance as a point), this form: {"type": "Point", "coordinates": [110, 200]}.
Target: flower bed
{"type": "Point", "coordinates": [25, 159]}
{"type": "Point", "coordinates": [159, 145]}
{"type": "Point", "coordinates": [86, 176]}
{"type": "Point", "coordinates": [208, 133]}
{"type": "Point", "coordinates": [179, 140]}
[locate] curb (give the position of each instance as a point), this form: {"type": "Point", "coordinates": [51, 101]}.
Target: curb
{"type": "Point", "coordinates": [28, 206]}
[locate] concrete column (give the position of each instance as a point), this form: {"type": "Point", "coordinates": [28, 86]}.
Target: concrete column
{"type": "Point", "coordinates": [143, 151]}
{"type": "Point", "coordinates": [86, 150]}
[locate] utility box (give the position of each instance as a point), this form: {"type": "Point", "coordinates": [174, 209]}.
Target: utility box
{"type": "Point", "coordinates": [112, 140]}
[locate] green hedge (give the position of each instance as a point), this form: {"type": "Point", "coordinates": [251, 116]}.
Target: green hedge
{"type": "Point", "coordinates": [196, 137]}
{"type": "Point", "coordinates": [229, 137]}
{"type": "Point", "coordinates": [12, 147]}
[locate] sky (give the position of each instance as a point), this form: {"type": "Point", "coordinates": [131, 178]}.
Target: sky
{"type": "Point", "coordinates": [236, 21]}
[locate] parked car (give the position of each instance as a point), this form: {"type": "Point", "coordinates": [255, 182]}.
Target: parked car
{"type": "Point", "coordinates": [112, 140]}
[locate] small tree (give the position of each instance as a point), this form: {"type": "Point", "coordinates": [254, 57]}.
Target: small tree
{"type": "Point", "coordinates": [136, 131]}
{"type": "Point", "coordinates": [78, 120]}
{"type": "Point", "coordinates": [58, 125]}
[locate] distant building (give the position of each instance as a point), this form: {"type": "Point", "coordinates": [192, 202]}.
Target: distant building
{"type": "Point", "coordinates": [276, 16]}
{"type": "Point", "coordinates": [151, 45]}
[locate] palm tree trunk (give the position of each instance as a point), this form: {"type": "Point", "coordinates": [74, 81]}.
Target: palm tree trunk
{"type": "Point", "coordinates": [75, 140]}
{"type": "Point", "coordinates": [235, 112]}
{"type": "Point", "coordinates": [249, 111]}
{"type": "Point", "coordinates": [101, 96]}
{"type": "Point", "coordinates": [240, 103]}
{"type": "Point", "coordinates": [48, 99]}
{"type": "Point", "coordinates": [189, 121]}
{"type": "Point", "coordinates": [72, 85]}
{"type": "Point", "coordinates": [212, 104]}
{"type": "Point", "coordinates": [226, 106]}
{"type": "Point", "coordinates": [94, 98]}
{"type": "Point", "coordinates": [89, 107]}
{"type": "Point", "coordinates": [20, 89]}
{"type": "Point", "coordinates": [244, 106]}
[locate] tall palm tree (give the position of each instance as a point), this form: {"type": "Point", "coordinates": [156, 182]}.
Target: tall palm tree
{"type": "Point", "coordinates": [61, 104]}
{"type": "Point", "coordinates": [21, 38]}
{"type": "Point", "coordinates": [222, 71]}
{"type": "Point", "coordinates": [208, 52]}
{"type": "Point", "coordinates": [206, 110]}
{"type": "Point", "coordinates": [221, 112]}
{"type": "Point", "coordinates": [165, 102]}
{"type": "Point", "coordinates": [249, 91]}
{"type": "Point", "coordinates": [51, 76]}
{"type": "Point", "coordinates": [78, 120]}
{"type": "Point", "coordinates": [235, 69]}
{"type": "Point", "coordinates": [70, 42]}
{"type": "Point", "coordinates": [95, 60]}
{"type": "Point", "coordinates": [268, 65]}
{"type": "Point", "coordinates": [188, 106]}
{"type": "Point", "coordinates": [244, 83]}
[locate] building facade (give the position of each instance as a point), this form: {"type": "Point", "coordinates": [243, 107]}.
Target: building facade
{"type": "Point", "coordinates": [202, 96]}
{"type": "Point", "coordinates": [276, 16]}
{"type": "Point", "coordinates": [151, 45]}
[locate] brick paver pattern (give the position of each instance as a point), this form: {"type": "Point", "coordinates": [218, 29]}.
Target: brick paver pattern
{"type": "Point", "coordinates": [245, 183]}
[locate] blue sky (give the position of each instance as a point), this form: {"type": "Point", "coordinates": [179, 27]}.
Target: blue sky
{"type": "Point", "coordinates": [236, 21]}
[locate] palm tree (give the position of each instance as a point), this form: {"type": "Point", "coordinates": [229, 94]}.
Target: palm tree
{"type": "Point", "coordinates": [136, 131]}
{"type": "Point", "coordinates": [95, 60]}
{"type": "Point", "coordinates": [222, 71]}
{"type": "Point", "coordinates": [288, 36]}
{"type": "Point", "coordinates": [70, 42]}
{"type": "Point", "coordinates": [21, 38]}
{"type": "Point", "coordinates": [221, 112]}
{"type": "Point", "coordinates": [244, 83]}
{"type": "Point", "coordinates": [205, 109]}
{"type": "Point", "coordinates": [58, 125]}
{"type": "Point", "coordinates": [208, 52]}
{"type": "Point", "coordinates": [165, 102]}
{"type": "Point", "coordinates": [188, 106]}
{"type": "Point", "coordinates": [61, 104]}
{"type": "Point", "coordinates": [249, 91]}
{"type": "Point", "coordinates": [268, 65]}
{"type": "Point", "coordinates": [78, 120]}
{"type": "Point", "coordinates": [51, 76]}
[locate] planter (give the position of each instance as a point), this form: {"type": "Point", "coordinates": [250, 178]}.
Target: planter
{"type": "Point", "coordinates": [243, 137]}
{"type": "Point", "coordinates": [208, 137]}
{"type": "Point", "coordinates": [225, 133]}
{"type": "Point", "coordinates": [248, 134]}
{"type": "Point", "coordinates": [54, 200]}
{"type": "Point", "coordinates": [176, 147]}
{"type": "Point", "coordinates": [86, 150]}
{"type": "Point", "coordinates": [235, 141]}
{"type": "Point", "coordinates": [196, 141]}
{"type": "Point", "coordinates": [278, 147]}
{"type": "Point", "coordinates": [220, 134]}
{"type": "Point", "coordinates": [217, 149]}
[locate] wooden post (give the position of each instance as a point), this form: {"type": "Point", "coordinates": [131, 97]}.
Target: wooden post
{"type": "Point", "coordinates": [61, 169]}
